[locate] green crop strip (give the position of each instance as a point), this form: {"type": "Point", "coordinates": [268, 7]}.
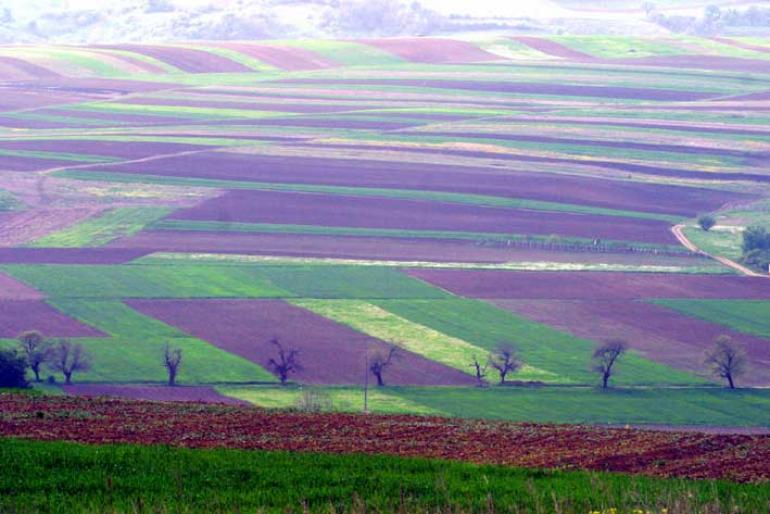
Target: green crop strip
{"type": "Point", "coordinates": [173, 280]}
{"type": "Point", "coordinates": [114, 224]}
{"type": "Point", "coordinates": [563, 356]}
{"type": "Point", "coordinates": [8, 202]}
{"type": "Point", "coordinates": [228, 259]}
{"type": "Point", "coordinates": [343, 399]}
{"type": "Point", "coordinates": [654, 406]}
{"type": "Point", "coordinates": [136, 281]}
{"type": "Point", "coordinates": [748, 316]}
{"type": "Point", "coordinates": [431, 344]}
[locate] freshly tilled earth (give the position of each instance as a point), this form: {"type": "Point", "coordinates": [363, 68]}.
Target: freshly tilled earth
{"type": "Point", "coordinates": [744, 458]}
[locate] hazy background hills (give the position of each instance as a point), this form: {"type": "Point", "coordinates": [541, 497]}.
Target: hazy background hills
{"type": "Point", "coordinates": [83, 21]}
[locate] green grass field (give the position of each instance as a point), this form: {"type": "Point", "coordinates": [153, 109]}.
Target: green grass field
{"type": "Point", "coordinates": [8, 202]}
{"type": "Point", "coordinates": [749, 316]}
{"type": "Point", "coordinates": [581, 405]}
{"type": "Point", "coordinates": [72, 478]}
{"type": "Point", "coordinates": [113, 224]}
{"type": "Point", "coordinates": [557, 356]}
{"type": "Point", "coordinates": [132, 350]}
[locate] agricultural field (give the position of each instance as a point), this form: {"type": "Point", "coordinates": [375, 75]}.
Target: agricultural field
{"type": "Point", "coordinates": [440, 196]}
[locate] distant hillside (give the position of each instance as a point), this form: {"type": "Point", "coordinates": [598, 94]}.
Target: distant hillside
{"type": "Point", "coordinates": [77, 21]}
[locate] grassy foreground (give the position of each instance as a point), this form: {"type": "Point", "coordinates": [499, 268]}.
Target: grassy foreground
{"type": "Point", "coordinates": [68, 477]}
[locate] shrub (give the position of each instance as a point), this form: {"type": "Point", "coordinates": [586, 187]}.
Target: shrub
{"type": "Point", "coordinates": [313, 400]}
{"type": "Point", "coordinates": [706, 221]}
{"type": "Point", "coordinates": [13, 370]}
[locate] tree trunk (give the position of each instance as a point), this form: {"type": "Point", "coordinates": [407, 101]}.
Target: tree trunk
{"type": "Point", "coordinates": [605, 380]}
{"type": "Point", "coordinates": [68, 378]}
{"type": "Point", "coordinates": [172, 378]}
{"type": "Point", "coordinates": [380, 382]}
{"type": "Point", "coordinates": [36, 371]}
{"type": "Point", "coordinates": [502, 377]}
{"type": "Point", "coordinates": [730, 381]}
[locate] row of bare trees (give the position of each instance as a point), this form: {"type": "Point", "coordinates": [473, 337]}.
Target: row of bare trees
{"type": "Point", "coordinates": [60, 355]}
{"type": "Point", "coordinates": [726, 359]}
{"type": "Point", "coordinates": [63, 356]}
{"type": "Point", "coordinates": [286, 361]}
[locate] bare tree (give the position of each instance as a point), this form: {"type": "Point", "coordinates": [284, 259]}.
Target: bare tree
{"type": "Point", "coordinates": [286, 362]}
{"type": "Point", "coordinates": [36, 349]}
{"type": "Point", "coordinates": [481, 371]}
{"type": "Point", "coordinates": [505, 360]}
{"type": "Point", "coordinates": [380, 360]}
{"type": "Point", "coordinates": [68, 358]}
{"type": "Point", "coordinates": [726, 359]}
{"type": "Point", "coordinates": [606, 356]}
{"type": "Point", "coordinates": [172, 359]}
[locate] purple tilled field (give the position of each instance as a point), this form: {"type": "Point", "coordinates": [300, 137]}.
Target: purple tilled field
{"type": "Point", "coordinates": [434, 50]}
{"type": "Point", "coordinates": [16, 316]}
{"type": "Point", "coordinates": [68, 256]}
{"type": "Point", "coordinates": [686, 201]}
{"type": "Point", "coordinates": [116, 149]}
{"type": "Point", "coordinates": [188, 60]}
{"type": "Point", "coordinates": [351, 211]}
{"type": "Point", "coordinates": [553, 48]}
{"type": "Point", "coordinates": [530, 88]}
{"type": "Point", "coordinates": [331, 353]}
{"type": "Point", "coordinates": [535, 285]}
{"type": "Point", "coordinates": [374, 248]}
{"type": "Point", "coordinates": [11, 289]}
{"type": "Point", "coordinates": [285, 58]}
{"type": "Point", "coordinates": [658, 333]}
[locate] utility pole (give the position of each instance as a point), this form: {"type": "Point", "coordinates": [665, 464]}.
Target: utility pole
{"type": "Point", "coordinates": [366, 377]}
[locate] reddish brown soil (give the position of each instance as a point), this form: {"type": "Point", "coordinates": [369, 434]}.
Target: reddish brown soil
{"type": "Point", "coordinates": [153, 392]}
{"type": "Point", "coordinates": [18, 316]}
{"type": "Point", "coordinates": [388, 213]}
{"type": "Point", "coordinates": [433, 50]}
{"type": "Point", "coordinates": [101, 421]}
{"type": "Point", "coordinates": [660, 334]}
{"type": "Point", "coordinates": [331, 353]}
{"type": "Point", "coordinates": [534, 285]}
